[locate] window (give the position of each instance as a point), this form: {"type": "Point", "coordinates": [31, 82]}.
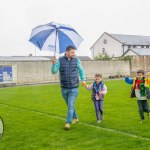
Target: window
{"type": "Point", "coordinates": [134, 46]}
{"type": "Point", "coordinates": [103, 50]}
{"type": "Point", "coordinates": [147, 46]}
{"type": "Point", "coordinates": [142, 46]}
{"type": "Point", "coordinates": [129, 46]}
{"type": "Point", "coordinates": [105, 41]}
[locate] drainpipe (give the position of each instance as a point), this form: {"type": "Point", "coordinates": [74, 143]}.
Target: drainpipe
{"type": "Point", "coordinates": [123, 44]}
{"type": "Point", "coordinates": [93, 52]}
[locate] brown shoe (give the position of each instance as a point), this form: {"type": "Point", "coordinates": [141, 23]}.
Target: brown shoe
{"type": "Point", "coordinates": [67, 126]}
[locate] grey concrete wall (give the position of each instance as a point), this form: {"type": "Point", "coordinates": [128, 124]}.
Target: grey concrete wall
{"type": "Point", "coordinates": [26, 72]}
{"type": "Point", "coordinates": [106, 68]}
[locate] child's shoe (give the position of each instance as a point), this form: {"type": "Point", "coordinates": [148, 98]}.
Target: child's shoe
{"type": "Point", "coordinates": [102, 117]}
{"type": "Point", "coordinates": [75, 120]}
{"type": "Point", "coordinates": [99, 121]}
{"type": "Point", "coordinates": [142, 120]}
{"type": "Point", "coordinates": [67, 126]}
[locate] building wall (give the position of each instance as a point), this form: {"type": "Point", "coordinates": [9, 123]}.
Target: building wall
{"type": "Point", "coordinates": [112, 47]}
{"type": "Point", "coordinates": [130, 53]}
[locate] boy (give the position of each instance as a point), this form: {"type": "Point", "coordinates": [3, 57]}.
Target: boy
{"type": "Point", "coordinates": [139, 85]}
{"type": "Point", "coordinates": [99, 89]}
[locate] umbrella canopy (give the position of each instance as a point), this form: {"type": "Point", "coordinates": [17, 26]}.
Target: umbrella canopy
{"type": "Point", "coordinates": [55, 37]}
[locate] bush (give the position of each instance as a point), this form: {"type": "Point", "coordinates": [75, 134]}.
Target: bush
{"type": "Point", "coordinates": [125, 58]}
{"type": "Point", "coordinates": [102, 57]}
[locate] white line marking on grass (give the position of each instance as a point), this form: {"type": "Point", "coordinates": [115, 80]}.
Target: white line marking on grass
{"type": "Point", "coordinates": [83, 123]}
{"type": "Point", "coordinates": [116, 131]}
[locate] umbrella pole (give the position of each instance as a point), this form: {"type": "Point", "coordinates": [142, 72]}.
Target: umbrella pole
{"type": "Point", "coordinates": [55, 42]}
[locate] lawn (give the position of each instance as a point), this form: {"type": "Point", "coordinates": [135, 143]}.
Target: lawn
{"type": "Point", "coordinates": [34, 118]}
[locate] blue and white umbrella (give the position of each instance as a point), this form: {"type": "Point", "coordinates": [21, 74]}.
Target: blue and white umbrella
{"type": "Point", "coordinates": [55, 37]}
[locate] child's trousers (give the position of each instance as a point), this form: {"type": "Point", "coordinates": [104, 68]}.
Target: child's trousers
{"type": "Point", "coordinates": [98, 108]}
{"type": "Point", "coordinates": [143, 107]}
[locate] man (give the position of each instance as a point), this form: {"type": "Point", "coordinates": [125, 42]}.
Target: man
{"type": "Point", "coordinates": [69, 67]}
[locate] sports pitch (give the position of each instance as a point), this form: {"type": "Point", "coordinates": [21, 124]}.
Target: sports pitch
{"type": "Point", "coordinates": [34, 118]}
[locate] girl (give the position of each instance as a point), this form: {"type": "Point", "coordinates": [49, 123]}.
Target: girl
{"type": "Point", "coordinates": [99, 89]}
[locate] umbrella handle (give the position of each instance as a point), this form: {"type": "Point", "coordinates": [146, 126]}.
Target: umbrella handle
{"type": "Point", "coordinates": [55, 43]}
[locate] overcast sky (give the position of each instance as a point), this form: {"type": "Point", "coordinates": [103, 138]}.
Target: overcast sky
{"type": "Point", "coordinates": [90, 18]}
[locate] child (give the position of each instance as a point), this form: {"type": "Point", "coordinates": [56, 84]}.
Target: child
{"type": "Point", "coordinates": [147, 79]}
{"type": "Point", "coordinates": [99, 89]}
{"type": "Point", "coordinates": [147, 85]}
{"type": "Point", "coordinates": [139, 85]}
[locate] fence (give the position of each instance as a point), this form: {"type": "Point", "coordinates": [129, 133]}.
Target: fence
{"type": "Point", "coordinates": [139, 62]}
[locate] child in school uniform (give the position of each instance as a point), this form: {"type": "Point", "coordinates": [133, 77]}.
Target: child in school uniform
{"type": "Point", "coordinates": [99, 89]}
{"type": "Point", "coordinates": [139, 85]}
{"type": "Point", "coordinates": [147, 84]}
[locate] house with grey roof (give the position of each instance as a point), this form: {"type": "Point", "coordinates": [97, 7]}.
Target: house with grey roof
{"type": "Point", "coordinates": [137, 51]}
{"type": "Point", "coordinates": [116, 45]}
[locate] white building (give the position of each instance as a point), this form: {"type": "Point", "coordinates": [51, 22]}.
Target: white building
{"type": "Point", "coordinates": [116, 45]}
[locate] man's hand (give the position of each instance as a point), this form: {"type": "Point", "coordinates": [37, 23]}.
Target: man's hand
{"type": "Point", "coordinates": [53, 60]}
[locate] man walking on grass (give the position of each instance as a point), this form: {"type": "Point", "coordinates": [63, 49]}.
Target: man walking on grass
{"type": "Point", "coordinates": [69, 68]}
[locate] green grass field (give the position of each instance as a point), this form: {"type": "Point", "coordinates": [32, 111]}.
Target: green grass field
{"type": "Point", "coordinates": [34, 118]}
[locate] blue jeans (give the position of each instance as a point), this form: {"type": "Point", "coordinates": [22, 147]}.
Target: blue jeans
{"type": "Point", "coordinates": [70, 96]}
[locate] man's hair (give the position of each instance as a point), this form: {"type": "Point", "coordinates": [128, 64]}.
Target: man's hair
{"type": "Point", "coordinates": [98, 75]}
{"type": "Point", "coordinates": [68, 48]}
{"type": "Point", "coordinates": [141, 71]}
